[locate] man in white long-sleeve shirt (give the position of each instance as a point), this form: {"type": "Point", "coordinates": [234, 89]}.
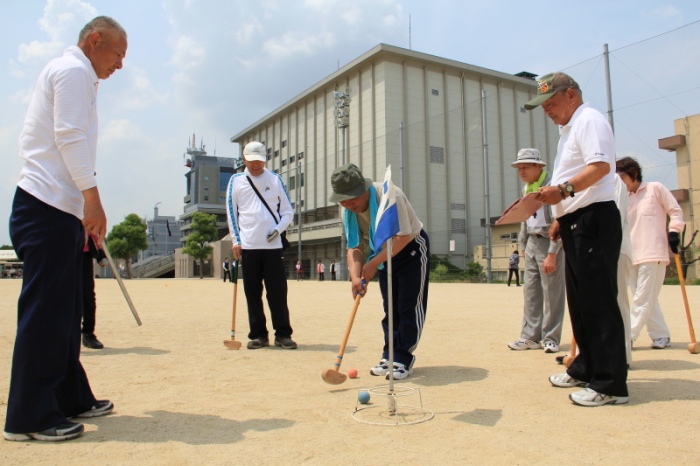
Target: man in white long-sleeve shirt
{"type": "Point", "coordinates": [56, 202]}
{"type": "Point", "coordinates": [259, 211]}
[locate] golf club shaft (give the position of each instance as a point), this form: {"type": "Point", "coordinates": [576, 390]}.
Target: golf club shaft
{"type": "Point", "coordinates": [121, 284]}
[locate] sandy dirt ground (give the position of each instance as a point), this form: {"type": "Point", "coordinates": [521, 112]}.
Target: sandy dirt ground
{"type": "Point", "coordinates": [182, 398]}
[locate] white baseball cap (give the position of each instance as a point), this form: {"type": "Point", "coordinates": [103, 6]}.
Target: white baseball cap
{"type": "Point", "coordinates": [255, 152]}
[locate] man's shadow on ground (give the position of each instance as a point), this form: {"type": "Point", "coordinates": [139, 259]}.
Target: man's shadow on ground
{"type": "Point", "coordinates": [167, 426]}
{"type": "Point", "coordinates": [435, 376]}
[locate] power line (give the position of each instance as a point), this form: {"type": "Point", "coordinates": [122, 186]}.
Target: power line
{"type": "Point", "coordinates": [654, 37]}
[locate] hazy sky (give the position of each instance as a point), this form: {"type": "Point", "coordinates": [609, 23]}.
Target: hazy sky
{"type": "Point", "coordinates": [214, 67]}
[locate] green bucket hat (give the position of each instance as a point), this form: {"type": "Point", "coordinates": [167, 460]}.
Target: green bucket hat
{"type": "Point", "coordinates": [348, 183]}
{"type": "Point", "coordinates": [547, 86]}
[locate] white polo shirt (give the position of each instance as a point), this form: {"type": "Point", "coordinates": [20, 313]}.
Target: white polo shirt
{"type": "Point", "coordinates": [585, 139]}
{"type": "Point", "coordinates": [59, 138]}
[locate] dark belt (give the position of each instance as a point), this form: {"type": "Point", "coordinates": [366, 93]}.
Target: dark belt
{"type": "Point", "coordinates": [537, 235]}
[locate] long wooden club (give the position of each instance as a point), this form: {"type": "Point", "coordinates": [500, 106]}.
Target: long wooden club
{"type": "Point", "coordinates": [569, 358]}
{"type": "Point", "coordinates": [232, 343]}
{"type": "Point", "coordinates": [693, 347]}
{"type": "Point", "coordinates": [333, 376]}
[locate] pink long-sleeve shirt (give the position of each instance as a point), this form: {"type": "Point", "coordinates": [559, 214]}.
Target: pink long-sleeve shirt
{"type": "Point", "coordinates": [647, 211]}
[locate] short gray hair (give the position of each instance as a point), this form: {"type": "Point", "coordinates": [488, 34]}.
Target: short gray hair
{"type": "Point", "coordinates": [562, 81]}
{"type": "Point", "coordinates": [99, 24]}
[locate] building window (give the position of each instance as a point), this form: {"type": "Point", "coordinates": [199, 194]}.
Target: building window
{"type": "Point", "coordinates": [284, 162]}
{"type": "Point", "coordinates": [459, 225]}
{"type": "Point", "coordinates": [436, 92]}
{"type": "Point", "coordinates": [505, 237]}
{"type": "Point", "coordinates": [292, 183]}
{"type": "Point", "coordinates": [268, 156]}
{"type": "Point", "coordinates": [301, 181]}
{"type": "Point", "coordinates": [206, 198]}
{"type": "Point", "coordinates": [284, 143]}
{"type": "Point", "coordinates": [223, 180]}
{"type": "Point", "coordinates": [206, 178]}
{"type": "Point", "coordinates": [262, 142]}
{"type": "Point", "coordinates": [437, 155]}
{"type": "Point", "coordinates": [458, 206]}
{"type": "Point", "coordinates": [275, 171]}
{"type": "Point", "coordinates": [222, 199]}
{"type": "Point", "coordinates": [206, 188]}
{"type": "Point", "coordinates": [301, 155]}
{"type": "Point", "coordinates": [277, 153]}
{"type": "Point", "coordinates": [291, 160]}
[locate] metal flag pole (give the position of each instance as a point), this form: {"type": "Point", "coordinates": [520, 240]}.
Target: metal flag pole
{"type": "Point", "coordinates": [390, 330]}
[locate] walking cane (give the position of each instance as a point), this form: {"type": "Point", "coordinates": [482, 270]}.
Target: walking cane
{"type": "Point", "coordinates": [693, 347]}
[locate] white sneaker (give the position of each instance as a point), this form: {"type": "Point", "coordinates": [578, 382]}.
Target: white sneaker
{"type": "Point", "coordinates": [400, 371]}
{"type": "Point", "coordinates": [564, 380]}
{"type": "Point", "coordinates": [551, 347]}
{"type": "Point", "coordinates": [380, 369]}
{"type": "Point", "coordinates": [590, 397]}
{"type": "Point", "coordinates": [523, 344]}
{"type": "Point", "coordinates": [661, 343]}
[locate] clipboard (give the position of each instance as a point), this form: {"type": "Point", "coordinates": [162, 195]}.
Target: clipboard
{"type": "Point", "coordinates": [520, 210]}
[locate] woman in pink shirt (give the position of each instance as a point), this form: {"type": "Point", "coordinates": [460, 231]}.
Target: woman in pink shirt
{"type": "Point", "coordinates": [649, 205]}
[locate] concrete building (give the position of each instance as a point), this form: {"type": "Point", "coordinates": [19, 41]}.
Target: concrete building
{"type": "Point", "coordinates": [163, 235]}
{"type": "Point", "coordinates": [686, 143]}
{"type": "Point", "coordinates": [206, 184]}
{"type": "Point", "coordinates": [421, 114]}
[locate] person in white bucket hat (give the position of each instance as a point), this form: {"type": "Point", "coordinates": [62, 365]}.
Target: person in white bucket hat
{"type": "Point", "coordinates": [543, 275]}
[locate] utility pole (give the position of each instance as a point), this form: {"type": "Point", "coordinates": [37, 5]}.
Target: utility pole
{"type": "Point", "coordinates": [608, 86]}
{"type": "Point", "coordinates": [342, 105]}
{"type": "Point", "coordinates": [487, 202]}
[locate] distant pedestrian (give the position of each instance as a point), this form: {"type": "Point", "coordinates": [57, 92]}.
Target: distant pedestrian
{"type": "Point", "coordinates": [333, 267]}
{"type": "Point", "coordinates": [227, 270]}
{"type": "Point", "coordinates": [514, 268]}
{"type": "Point", "coordinates": [321, 269]}
{"type": "Point", "coordinates": [299, 270]}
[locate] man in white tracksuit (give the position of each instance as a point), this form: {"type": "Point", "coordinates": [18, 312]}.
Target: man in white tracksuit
{"type": "Point", "coordinates": [256, 219]}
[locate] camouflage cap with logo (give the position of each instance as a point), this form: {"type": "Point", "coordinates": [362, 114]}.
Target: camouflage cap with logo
{"type": "Point", "coordinates": [548, 85]}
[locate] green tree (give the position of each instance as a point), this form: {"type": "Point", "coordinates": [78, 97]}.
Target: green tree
{"type": "Point", "coordinates": [203, 232]}
{"type": "Point", "coordinates": [127, 239]}
{"type": "Point", "coordinates": [439, 273]}
{"type": "Point", "coordinates": [6, 247]}
{"type": "Point", "coordinates": [474, 271]}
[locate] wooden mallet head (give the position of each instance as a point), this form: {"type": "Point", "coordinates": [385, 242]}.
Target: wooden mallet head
{"type": "Point", "coordinates": [232, 344]}
{"type": "Point", "coordinates": [333, 377]}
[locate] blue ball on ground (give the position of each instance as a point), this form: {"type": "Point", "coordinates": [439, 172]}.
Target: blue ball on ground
{"type": "Point", "coordinates": [363, 397]}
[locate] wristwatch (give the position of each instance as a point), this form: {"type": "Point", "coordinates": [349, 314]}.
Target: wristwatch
{"type": "Point", "coordinates": [569, 188]}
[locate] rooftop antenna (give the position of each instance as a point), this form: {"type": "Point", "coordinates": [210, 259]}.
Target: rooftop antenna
{"type": "Point", "coordinates": [409, 32]}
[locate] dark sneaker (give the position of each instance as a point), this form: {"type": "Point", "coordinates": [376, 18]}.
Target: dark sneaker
{"type": "Point", "coordinates": [258, 343]}
{"type": "Point", "coordinates": [101, 408]}
{"type": "Point", "coordinates": [285, 342]}
{"type": "Point", "coordinates": [64, 431]}
{"type": "Point", "coordinates": [91, 341]}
